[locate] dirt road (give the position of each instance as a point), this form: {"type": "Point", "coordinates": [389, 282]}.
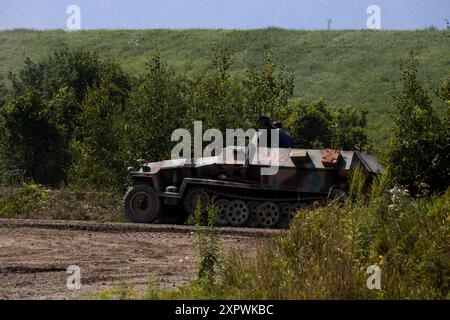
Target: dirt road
{"type": "Point", "coordinates": [35, 255]}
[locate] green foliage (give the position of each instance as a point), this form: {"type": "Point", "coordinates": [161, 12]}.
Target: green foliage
{"type": "Point", "coordinates": [41, 116]}
{"type": "Point", "coordinates": [124, 291]}
{"type": "Point", "coordinates": [326, 253]}
{"type": "Point", "coordinates": [316, 125]}
{"type": "Point", "coordinates": [349, 128]}
{"type": "Point", "coordinates": [33, 201]}
{"type": "Point", "coordinates": [267, 91]}
{"type": "Point", "coordinates": [76, 69]}
{"type": "Point", "coordinates": [53, 122]}
{"type": "Point", "coordinates": [78, 120]}
{"type": "Point", "coordinates": [31, 141]}
{"type": "Point", "coordinates": [216, 95]}
{"type": "Point", "coordinates": [208, 244]}
{"type": "Point", "coordinates": [358, 182]}
{"type": "Point", "coordinates": [63, 110]}
{"type": "Point", "coordinates": [342, 66]}
{"type": "Point", "coordinates": [222, 100]}
{"type": "Point", "coordinates": [98, 145]}
{"type": "Point", "coordinates": [419, 152]}
{"type": "Point", "coordinates": [3, 92]}
{"type": "Point", "coordinates": [75, 119]}
{"type": "Point", "coordinates": [22, 201]}
{"type": "Point", "coordinates": [157, 106]}
{"type": "Point", "coordinates": [311, 124]}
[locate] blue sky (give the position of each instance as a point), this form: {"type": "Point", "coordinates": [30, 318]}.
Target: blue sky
{"type": "Point", "coordinates": [228, 14]}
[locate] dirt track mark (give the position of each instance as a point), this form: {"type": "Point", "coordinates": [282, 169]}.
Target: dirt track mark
{"type": "Point", "coordinates": [35, 254]}
{"type": "Point", "coordinates": [112, 227]}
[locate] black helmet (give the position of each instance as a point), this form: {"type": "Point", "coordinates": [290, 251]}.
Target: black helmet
{"type": "Point", "coordinates": [277, 124]}
{"type": "Point", "coordinates": [264, 121]}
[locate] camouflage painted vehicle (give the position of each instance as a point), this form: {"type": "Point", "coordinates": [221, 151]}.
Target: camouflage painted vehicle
{"type": "Point", "coordinates": [168, 191]}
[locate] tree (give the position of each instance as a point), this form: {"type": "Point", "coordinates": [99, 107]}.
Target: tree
{"type": "Point", "coordinates": [267, 91]}
{"type": "Point", "coordinates": [31, 142]}
{"type": "Point", "coordinates": [349, 129]}
{"type": "Point", "coordinates": [316, 125]}
{"type": "Point", "coordinates": [98, 146]}
{"type": "Point", "coordinates": [157, 107]}
{"type": "Point", "coordinates": [76, 69]}
{"type": "Point", "coordinates": [3, 92]}
{"type": "Point", "coordinates": [64, 110]}
{"type": "Point", "coordinates": [217, 95]}
{"type": "Point", "coordinates": [311, 124]}
{"type": "Point", "coordinates": [418, 153]}
{"type": "Point", "coordinates": [46, 112]}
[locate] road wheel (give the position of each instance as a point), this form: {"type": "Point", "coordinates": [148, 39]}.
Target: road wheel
{"type": "Point", "coordinates": [237, 213]}
{"type": "Point", "coordinates": [252, 221]}
{"type": "Point", "coordinates": [287, 212]}
{"type": "Point", "coordinates": [268, 214]}
{"type": "Point", "coordinates": [194, 196]}
{"type": "Point", "coordinates": [142, 204]}
{"type": "Point", "coordinates": [222, 206]}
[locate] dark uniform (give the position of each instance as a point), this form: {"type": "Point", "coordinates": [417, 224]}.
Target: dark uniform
{"type": "Point", "coordinates": [285, 139]}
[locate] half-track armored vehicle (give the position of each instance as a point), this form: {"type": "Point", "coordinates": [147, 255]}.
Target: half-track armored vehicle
{"type": "Point", "coordinates": [243, 194]}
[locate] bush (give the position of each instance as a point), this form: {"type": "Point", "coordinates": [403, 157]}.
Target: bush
{"type": "Point", "coordinates": [267, 91]}
{"type": "Point", "coordinates": [98, 150]}
{"type": "Point", "coordinates": [326, 253]}
{"type": "Point", "coordinates": [30, 141]}
{"type": "Point", "coordinates": [316, 125]}
{"type": "Point", "coordinates": [157, 106]}
{"type": "Point", "coordinates": [419, 151]}
{"type": "Point", "coordinates": [22, 202]}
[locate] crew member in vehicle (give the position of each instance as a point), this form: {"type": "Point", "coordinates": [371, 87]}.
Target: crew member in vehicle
{"type": "Point", "coordinates": [285, 139]}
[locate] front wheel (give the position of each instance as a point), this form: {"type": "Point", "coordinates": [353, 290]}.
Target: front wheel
{"type": "Point", "coordinates": [142, 204]}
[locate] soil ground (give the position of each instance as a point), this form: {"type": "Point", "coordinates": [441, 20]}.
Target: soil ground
{"type": "Point", "coordinates": [35, 255]}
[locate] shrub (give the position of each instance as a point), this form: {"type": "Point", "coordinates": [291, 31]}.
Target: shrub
{"type": "Point", "coordinates": [419, 152]}
{"type": "Point", "coordinates": [22, 202]}
{"type": "Point", "coordinates": [317, 125]}
{"type": "Point", "coordinates": [326, 253]}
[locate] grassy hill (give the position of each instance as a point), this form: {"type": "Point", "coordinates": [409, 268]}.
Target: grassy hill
{"type": "Point", "coordinates": [343, 67]}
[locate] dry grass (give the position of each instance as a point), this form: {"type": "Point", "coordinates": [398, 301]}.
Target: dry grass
{"type": "Point", "coordinates": [327, 250]}
{"type": "Point", "coordinates": [34, 202]}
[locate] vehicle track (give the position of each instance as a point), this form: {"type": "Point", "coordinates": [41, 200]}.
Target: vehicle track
{"type": "Point", "coordinates": [35, 254]}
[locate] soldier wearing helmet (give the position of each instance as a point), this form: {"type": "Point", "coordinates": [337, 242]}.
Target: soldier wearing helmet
{"type": "Point", "coordinates": [285, 139]}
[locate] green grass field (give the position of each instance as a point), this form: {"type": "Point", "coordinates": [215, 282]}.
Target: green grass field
{"type": "Point", "coordinates": [344, 67]}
